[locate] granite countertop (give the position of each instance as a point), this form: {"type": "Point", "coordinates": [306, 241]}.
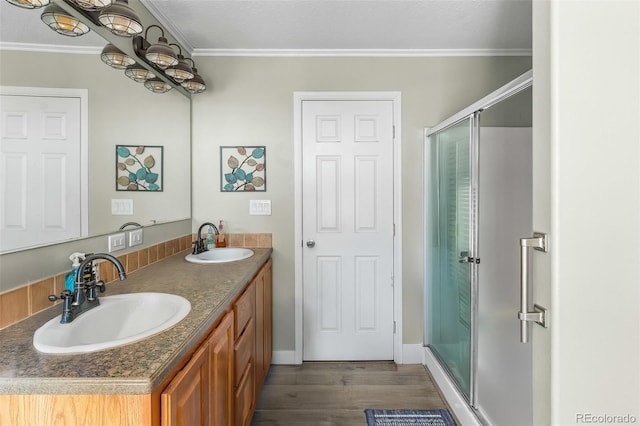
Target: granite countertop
{"type": "Point", "coordinates": [135, 368]}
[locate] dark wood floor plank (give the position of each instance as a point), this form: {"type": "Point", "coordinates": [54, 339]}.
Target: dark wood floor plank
{"type": "Point", "coordinates": [337, 393]}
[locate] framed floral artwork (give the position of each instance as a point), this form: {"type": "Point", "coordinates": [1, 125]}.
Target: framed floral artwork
{"type": "Point", "coordinates": [139, 168]}
{"type": "Point", "coordinates": [243, 168]}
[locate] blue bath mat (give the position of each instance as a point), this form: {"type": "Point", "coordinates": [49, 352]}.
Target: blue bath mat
{"type": "Point", "coordinates": [409, 418]}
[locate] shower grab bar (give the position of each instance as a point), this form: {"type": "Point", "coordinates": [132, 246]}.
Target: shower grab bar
{"type": "Point", "coordinates": [539, 242]}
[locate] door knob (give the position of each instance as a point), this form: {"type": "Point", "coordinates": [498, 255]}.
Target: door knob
{"type": "Point", "coordinates": [311, 244]}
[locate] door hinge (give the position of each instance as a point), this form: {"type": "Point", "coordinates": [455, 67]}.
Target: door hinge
{"type": "Point", "coordinates": [394, 131]}
{"type": "Point", "coordinates": [394, 327]}
{"type": "Point", "coordinates": [394, 229]}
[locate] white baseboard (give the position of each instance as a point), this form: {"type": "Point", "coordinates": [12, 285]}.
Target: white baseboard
{"type": "Point", "coordinates": [283, 357]}
{"type": "Point", "coordinates": [456, 401]}
{"type": "Point", "coordinates": [413, 354]}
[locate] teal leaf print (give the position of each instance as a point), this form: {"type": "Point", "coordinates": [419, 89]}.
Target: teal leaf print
{"type": "Point", "coordinates": [258, 153]}
{"type": "Point", "coordinates": [231, 178]}
{"type": "Point", "coordinates": [123, 152]}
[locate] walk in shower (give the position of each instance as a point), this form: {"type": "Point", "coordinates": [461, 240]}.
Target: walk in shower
{"type": "Point", "coordinates": [478, 204]}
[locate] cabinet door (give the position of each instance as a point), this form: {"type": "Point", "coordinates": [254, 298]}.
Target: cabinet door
{"type": "Point", "coordinates": [221, 372]}
{"type": "Point", "coordinates": [268, 318]}
{"type": "Point", "coordinates": [263, 324]}
{"type": "Point", "coordinates": [260, 329]}
{"type": "Point", "coordinates": [185, 401]}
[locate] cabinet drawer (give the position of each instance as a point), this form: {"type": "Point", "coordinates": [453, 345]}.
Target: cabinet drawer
{"type": "Point", "coordinates": [244, 308]}
{"type": "Point", "coordinates": [244, 349]}
{"type": "Point", "coordinates": [245, 398]}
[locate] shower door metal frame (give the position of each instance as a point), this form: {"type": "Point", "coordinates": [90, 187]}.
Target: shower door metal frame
{"type": "Point", "coordinates": [471, 113]}
{"type": "Point", "coordinates": [472, 255]}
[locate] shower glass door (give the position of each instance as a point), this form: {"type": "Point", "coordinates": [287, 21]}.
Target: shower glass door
{"type": "Point", "coordinates": [449, 249]}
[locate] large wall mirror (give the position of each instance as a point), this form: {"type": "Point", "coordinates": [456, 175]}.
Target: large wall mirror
{"type": "Point", "coordinates": [120, 112]}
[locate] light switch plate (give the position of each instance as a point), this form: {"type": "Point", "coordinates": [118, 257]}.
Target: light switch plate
{"type": "Point", "coordinates": [117, 242]}
{"type": "Point", "coordinates": [135, 237]}
{"type": "Point", "coordinates": [260, 207]}
{"type": "Point", "coordinates": [121, 206]}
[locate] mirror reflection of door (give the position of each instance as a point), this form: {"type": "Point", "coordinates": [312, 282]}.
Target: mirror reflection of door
{"type": "Point", "coordinates": [41, 192]}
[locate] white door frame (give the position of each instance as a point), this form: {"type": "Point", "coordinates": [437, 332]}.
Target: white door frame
{"type": "Point", "coordinates": [395, 97]}
{"type": "Point", "coordinates": [83, 96]}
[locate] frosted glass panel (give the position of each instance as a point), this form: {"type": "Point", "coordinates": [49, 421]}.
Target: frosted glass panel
{"type": "Point", "coordinates": [448, 236]}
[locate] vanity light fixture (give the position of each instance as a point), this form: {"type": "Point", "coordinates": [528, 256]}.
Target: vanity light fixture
{"type": "Point", "coordinates": [138, 73]}
{"type": "Point", "coordinates": [63, 23]}
{"type": "Point", "coordinates": [92, 4]}
{"type": "Point", "coordinates": [157, 86]}
{"type": "Point", "coordinates": [159, 54]}
{"type": "Point", "coordinates": [115, 58]}
{"type": "Point", "coordinates": [29, 4]}
{"type": "Point", "coordinates": [196, 84]}
{"type": "Point", "coordinates": [121, 19]}
{"type": "Point", "coordinates": [181, 71]}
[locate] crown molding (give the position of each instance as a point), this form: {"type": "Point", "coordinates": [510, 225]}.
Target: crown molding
{"type": "Point", "coordinates": [50, 48]}
{"type": "Point", "coordinates": [407, 53]}
{"type": "Point", "coordinates": [362, 52]}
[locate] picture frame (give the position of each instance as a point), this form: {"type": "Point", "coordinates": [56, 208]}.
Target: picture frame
{"type": "Point", "coordinates": [139, 168]}
{"type": "Point", "coordinates": [243, 169]}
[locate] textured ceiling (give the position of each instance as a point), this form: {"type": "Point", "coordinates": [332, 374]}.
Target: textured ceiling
{"type": "Point", "coordinates": [279, 26]}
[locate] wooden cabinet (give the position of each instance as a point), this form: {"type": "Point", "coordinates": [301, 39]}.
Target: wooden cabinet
{"type": "Point", "coordinates": [253, 346]}
{"type": "Point", "coordinates": [220, 385]}
{"type": "Point", "coordinates": [201, 393]}
{"type": "Point", "coordinates": [264, 347]}
{"type": "Point", "coordinates": [216, 385]}
{"type": "Point", "coordinates": [185, 401]}
{"type": "Point", "coordinates": [245, 397]}
{"type": "Point", "coordinates": [245, 349]}
{"type": "Point", "coordinates": [221, 373]}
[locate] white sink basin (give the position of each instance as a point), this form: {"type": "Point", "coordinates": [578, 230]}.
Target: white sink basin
{"type": "Point", "coordinates": [119, 320]}
{"type": "Point", "coordinates": [220, 255]}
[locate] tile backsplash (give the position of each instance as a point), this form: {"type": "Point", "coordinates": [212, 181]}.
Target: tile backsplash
{"type": "Point", "coordinates": [22, 302]}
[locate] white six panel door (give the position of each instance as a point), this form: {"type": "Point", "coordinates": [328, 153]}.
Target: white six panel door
{"type": "Point", "coordinates": [40, 196]}
{"type": "Point", "coordinates": [348, 230]}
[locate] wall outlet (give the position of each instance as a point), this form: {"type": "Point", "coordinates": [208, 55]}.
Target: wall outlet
{"type": "Point", "coordinates": [117, 242]}
{"type": "Point", "coordinates": [260, 207]}
{"type": "Point", "coordinates": [135, 237]}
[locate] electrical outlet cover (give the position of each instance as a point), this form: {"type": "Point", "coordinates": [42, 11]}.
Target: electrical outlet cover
{"type": "Point", "coordinates": [260, 207]}
{"type": "Point", "coordinates": [135, 237]}
{"type": "Point", "coordinates": [117, 242]}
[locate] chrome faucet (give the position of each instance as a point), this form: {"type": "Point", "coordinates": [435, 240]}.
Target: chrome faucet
{"type": "Point", "coordinates": [198, 244]}
{"type": "Point", "coordinates": [84, 296]}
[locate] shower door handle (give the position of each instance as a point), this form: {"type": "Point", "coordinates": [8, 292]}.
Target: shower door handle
{"type": "Point", "coordinates": [465, 258]}
{"type": "Point", "coordinates": [539, 314]}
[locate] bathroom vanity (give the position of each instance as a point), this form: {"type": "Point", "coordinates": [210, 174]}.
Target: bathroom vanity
{"type": "Point", "coordinates": [207, 369]}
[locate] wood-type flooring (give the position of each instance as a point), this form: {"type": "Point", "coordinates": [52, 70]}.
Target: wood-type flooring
{"type": "Point", "coordinates": [337, 393]}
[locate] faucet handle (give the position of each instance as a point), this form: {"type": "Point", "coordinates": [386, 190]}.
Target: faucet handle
{"type": "Point", "coordinates": [65, 294]}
